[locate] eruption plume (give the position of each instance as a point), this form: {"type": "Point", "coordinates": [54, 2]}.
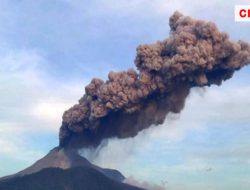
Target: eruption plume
{"type": "Point", "coordinates": [195, 54]}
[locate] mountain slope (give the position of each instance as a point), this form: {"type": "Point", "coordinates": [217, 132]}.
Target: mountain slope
{"type": "Point", "coordinates": [65, 159]}
{"type": "Point", "coordinates": [76, 178]}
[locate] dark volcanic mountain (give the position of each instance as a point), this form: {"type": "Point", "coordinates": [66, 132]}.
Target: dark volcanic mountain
{"type": "Point", "coordinates": [65, 169]}
{"type": "Point", "coordinates": [76, 178]}
{"type": "Point", "coordinates": [65, 159]}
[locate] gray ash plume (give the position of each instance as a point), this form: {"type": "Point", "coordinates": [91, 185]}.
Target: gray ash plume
{"type": "Point", "coordinates": [196, 54]}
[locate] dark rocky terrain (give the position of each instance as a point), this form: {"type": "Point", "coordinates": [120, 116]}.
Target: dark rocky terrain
{"type": "Point", "coordinates": [76, 178]}
{"type": "Point", "coordinates": [65, 159]}
{"type": "Point", "coordinates": [65, 169]}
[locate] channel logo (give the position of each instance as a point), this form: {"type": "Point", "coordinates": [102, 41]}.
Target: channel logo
{"type": "Point", "coordinates": [242, 13]}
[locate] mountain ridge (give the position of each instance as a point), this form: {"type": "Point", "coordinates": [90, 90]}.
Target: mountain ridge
{"type": "Point", "coordinates": [75, 178]}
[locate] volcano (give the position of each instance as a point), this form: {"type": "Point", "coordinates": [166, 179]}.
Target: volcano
{"type": "Point", "coordinates": [65, 170]}
{"type": "Point", "coordinates": [77, 178]}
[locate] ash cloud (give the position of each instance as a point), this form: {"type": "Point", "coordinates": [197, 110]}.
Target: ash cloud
{"type": "Point", "coordinates": [195, 54]}
{"type": "Point", "coordinates": [145, 185]}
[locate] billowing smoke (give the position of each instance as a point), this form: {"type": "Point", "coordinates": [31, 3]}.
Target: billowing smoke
{"type": "Point", "coordinates": [195, 54]}
{"type": "Point", "coordinates": [145, 185]}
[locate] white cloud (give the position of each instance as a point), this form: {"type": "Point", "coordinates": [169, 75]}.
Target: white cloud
{"type": "Point", "coordinates": [50, 111]}
{"type": "Point", "coordinates": [31, 102]}
{"type": "Point", "coordinates": [28, 92]}
{"type": "Point", "coordinates": [13, 144]}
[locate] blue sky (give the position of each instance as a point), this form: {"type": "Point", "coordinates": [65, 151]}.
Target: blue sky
{"type": "Point", "coordinates": [51, 49]}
